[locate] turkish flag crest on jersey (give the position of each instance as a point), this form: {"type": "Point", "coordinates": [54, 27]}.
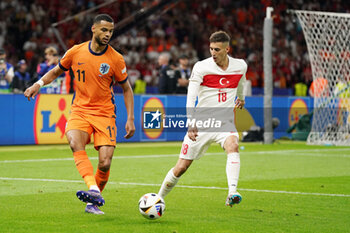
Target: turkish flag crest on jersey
{"type": "Point", "coordinates": [221, 81]}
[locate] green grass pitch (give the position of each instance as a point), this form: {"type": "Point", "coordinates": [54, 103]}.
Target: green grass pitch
{"type": "Point", "coordinates": [286, 187]}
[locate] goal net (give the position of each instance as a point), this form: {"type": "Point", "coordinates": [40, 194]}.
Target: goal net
{"type": "Point", "coordinates": [328, 41]}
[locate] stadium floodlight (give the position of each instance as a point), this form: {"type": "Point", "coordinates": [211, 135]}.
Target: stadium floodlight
{"type": "Point", "coordinates": [328, 41]}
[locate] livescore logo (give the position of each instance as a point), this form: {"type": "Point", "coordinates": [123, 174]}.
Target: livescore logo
{"type": "Point", "coordinates": [50, 118]}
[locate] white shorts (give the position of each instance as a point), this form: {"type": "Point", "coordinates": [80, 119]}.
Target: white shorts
{"type": "Point", "coordinates": [193, 150]}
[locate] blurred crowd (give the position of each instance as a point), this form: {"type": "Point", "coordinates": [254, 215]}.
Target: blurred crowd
{"type": "Point", "coordinates": [167, 45]}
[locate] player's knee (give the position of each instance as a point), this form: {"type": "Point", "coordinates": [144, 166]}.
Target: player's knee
{"type": "Point", "coordinates": [75, 145]}
{"type": "Point", "coordinates": [231, 147]}
{"type": "Point", "coordinates": [104, 165]}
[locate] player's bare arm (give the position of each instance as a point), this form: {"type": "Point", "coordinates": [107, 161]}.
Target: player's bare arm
{"type": "Point", "coordinates": [129, 104]}
{"type": "Point", "coordinates": [33, 90]}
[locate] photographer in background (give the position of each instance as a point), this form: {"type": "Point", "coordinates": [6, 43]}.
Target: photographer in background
{"type": "Point", "coordinates": [6, 73]}
{"type": "Point", "coordinates": [22, 79]}
{"type": "Point", "coordinates": [182, 75]}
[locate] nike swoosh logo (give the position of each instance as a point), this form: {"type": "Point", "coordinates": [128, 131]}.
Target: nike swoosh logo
{"type": "Point", "coordinates": [80, 63]}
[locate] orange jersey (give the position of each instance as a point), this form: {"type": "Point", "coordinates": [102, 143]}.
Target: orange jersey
{"type": "Point", "coordinates": [94, 75]}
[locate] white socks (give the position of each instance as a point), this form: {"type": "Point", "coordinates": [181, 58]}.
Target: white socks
{"type": "Point", "coordinates": [169, 182]}
{"type": "Point", "coordinates": [233, 165]}
{"type": "Point", "coordinates": [94, 187]}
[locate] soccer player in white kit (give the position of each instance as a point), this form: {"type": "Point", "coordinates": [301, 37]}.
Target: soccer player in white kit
{"type": "Point", "coordinates": [217, 81]}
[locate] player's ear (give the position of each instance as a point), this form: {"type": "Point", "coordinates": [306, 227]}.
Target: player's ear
{"type": "Point", "coordinates": [93, 28]}
{"type": "Point", "coordinates": [227, 48]}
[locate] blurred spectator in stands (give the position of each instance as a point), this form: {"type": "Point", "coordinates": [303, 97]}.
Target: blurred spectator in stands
{"type": "Point", "coordinates": [280, 81]}
{"type": "Point", "coordinates": [2, 31]}
{"type": "Point", "coordinates": [133, 74]}
{"type": "Point", "coordinates": [167, 80]}
{"type": "Point", "coordinates": [253, 76]}
{"type": "Point", "coordinates": [22, 79]}
{"type": "Point", "coordinates": [6, 73]}
{"type": "Point", "coordinates": [182, 75]}
{"type": "Point", "coordinates": [29, 48]}
{"type": "Point", "coordinates": [319, 88]}
{"type": "Point", "coordinates": [29, 23]}
{"type": "Point", "coordinates": [140, 86]}
{"type": "Point", "coordinates": [152, 49]}
{"type": "Point", "coordinates": [51, 60]}
{"type": "Point", "coordinates": [342, 93]}
{"type": "Point", "coordinates": [300, 88]}
{"type": "Point", "coordinates": [342, 88]}
{"type": "Point", "coordinates": [132, 56]}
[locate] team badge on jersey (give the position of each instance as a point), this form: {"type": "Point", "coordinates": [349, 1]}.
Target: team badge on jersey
{"type": "Point", "coordinates": [104, 68]}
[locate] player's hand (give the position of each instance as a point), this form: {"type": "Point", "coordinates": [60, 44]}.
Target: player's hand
{"type": "Point", "coordinates": [192, 133]}
{"type": "Point", "coordinates": [32, 91]}
{"type": "Point", "coordinates": [239, 103]}
{"type": "Point", "coordinates": [129, 128]}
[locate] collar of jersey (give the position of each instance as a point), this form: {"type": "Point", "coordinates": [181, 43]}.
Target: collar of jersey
{"type": "Point", "coordinates": [97, 54]}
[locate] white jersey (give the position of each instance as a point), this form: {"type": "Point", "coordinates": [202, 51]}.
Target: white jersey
{"type": "Point", "coordinates": [216, 87]}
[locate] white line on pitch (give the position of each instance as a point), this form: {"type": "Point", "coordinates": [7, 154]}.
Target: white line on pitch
{"type": "Point", "coordinates": [182, 186]}
{"type": "Point", "coordinates": [45, 180]}
{"type": "Point", "coordinates": [95, 158]}
{"type": "Point", "coordinates": [285, 152]}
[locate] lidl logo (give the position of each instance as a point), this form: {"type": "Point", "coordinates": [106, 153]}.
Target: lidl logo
{"type": "Point", "coordinates": [50, 118]}
{"type": "Point", "coordinates": [297, 109]}
{"type": "Point", "coordinates": [152, 117]}
{"type": "Point", "coordinates": [151, 120]}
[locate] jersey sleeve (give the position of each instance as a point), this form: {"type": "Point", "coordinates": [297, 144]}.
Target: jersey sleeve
{"type": "Point", "coordinates": [196, 75]}
{"type": "Point", "coordinates": [240, 88]}
{"type": "Point", "coordinates": [193, 88]}
{"type": "Point", "coordinates": [120, 70]}
{"type": "Point", "coordinates": [66, 61]}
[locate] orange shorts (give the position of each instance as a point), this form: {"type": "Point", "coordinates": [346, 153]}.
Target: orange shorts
{"type": "Point", "coordinates": [103, 128]}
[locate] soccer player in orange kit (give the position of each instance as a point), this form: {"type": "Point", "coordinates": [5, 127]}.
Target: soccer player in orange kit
{"type": "Point", "coordinates": [96, 66]}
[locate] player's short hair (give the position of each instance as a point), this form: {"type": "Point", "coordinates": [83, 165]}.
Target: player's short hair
{"type": "Point", "coordinates": [105, 17]}
{"type": "Point", "coordinates": [219, 36]}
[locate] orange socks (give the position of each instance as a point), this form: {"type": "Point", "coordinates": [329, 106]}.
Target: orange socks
{"type": "Point", "coordinates": [101, 178]}
{"type": "Point", "coordinates": [84, 167]}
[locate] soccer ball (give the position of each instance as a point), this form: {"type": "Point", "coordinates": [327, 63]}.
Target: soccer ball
{"type": "Point", "coordinates": [151, 206]}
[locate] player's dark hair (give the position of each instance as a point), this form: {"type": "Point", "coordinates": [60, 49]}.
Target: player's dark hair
{"type": "Point", "coordinates": [219, 36]}
{"type": "Point", "coordinates": [105, 17]}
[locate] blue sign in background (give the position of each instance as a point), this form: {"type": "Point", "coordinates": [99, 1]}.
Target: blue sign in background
{"type": "Point", "coordinates": [17, 117]}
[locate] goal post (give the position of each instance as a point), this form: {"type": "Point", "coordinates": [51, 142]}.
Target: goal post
{"type": "Point", "coordinates": [268, 87]}
{"type": "Point", "coordinates": [328, 42]}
